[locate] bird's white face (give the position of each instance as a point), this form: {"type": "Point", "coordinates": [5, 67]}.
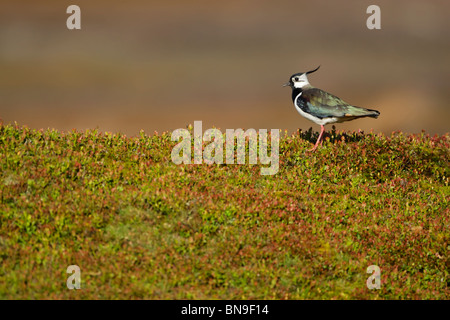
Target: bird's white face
{"type": "Point", "coordinates": [299, 81]}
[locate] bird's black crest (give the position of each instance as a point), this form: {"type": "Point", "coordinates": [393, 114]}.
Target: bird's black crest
{"type": "Point", "coordinates": [308, 72]}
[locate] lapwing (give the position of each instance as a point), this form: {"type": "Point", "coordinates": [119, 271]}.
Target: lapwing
{"type": "Point", "coordinates": [322, 107]}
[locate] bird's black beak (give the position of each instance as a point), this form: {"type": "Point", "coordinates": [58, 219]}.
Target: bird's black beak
{"type": "Point", "coordinates": [287, 84]}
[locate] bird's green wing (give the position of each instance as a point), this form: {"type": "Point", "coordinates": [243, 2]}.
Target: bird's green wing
{"type": "Point", "coordinates": [323, 105]}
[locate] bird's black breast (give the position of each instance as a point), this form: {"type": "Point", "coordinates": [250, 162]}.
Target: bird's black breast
{"type": "Point", "coordinates": [301, 102]}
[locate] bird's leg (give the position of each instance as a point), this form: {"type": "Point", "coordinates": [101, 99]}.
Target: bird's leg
{"type": "Point", "coordinates": [318, 140]}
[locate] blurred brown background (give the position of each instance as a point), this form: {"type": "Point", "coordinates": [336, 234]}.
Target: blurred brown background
{"type": "Point", "coordinates": [160, 65]}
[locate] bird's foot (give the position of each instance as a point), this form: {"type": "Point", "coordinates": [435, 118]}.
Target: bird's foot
{"type": "Point", "coordinates": [319, 141]}
{"type": "Point", "coordinates": [313, 149]}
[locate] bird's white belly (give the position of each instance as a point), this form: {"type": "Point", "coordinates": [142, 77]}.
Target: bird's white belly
{"type": "Point", "coordinates": [308, 116]}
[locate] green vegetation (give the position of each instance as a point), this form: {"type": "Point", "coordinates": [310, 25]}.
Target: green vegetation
{"type": "Point", "coordinates": [140, 226]}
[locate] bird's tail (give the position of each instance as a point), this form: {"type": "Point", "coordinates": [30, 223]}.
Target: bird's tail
{"type": "Point", "coordinates": [363, 112]}
{"type": "Point", "coordinates": [373, 113]}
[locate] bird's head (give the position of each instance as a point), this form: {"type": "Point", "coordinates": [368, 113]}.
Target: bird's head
{"type": "Point", "coordinates": [299, 80]}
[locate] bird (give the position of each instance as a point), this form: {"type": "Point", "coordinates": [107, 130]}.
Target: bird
{"type": "Point", "coordinates": [322, 107]}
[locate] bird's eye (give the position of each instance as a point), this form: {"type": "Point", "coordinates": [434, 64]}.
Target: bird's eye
{"type": "Point", "coordinates": [296, 78]}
